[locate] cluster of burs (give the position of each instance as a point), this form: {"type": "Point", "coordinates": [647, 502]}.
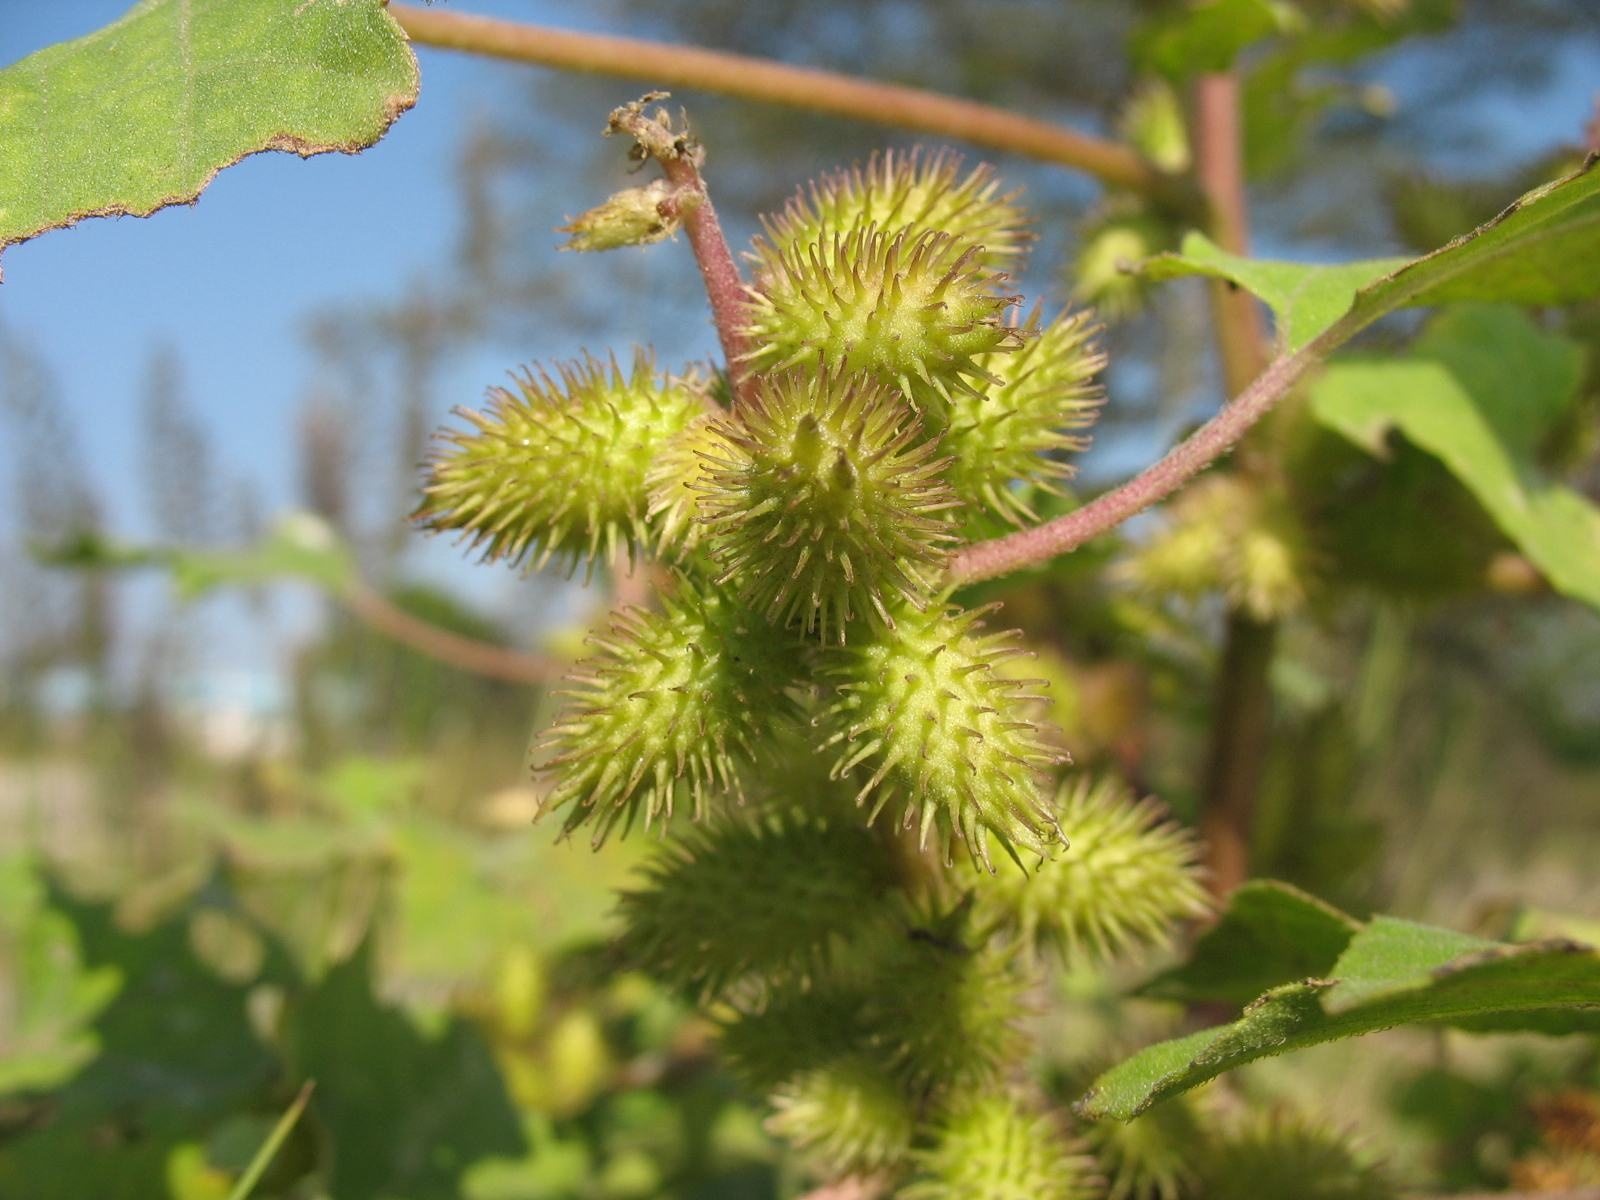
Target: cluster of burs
{"type": "Point", "coordinates": [865, 857]}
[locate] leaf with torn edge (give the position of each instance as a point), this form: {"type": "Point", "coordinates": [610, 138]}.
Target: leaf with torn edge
{"type": "Point", "coordinates": [143, 113]}
{"type": "Point", "coordinates": [1543, 249]}
{"type": "Point", "coordinates": [1392, 973]}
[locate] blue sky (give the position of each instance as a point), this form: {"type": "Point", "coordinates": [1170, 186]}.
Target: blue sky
{"type": "Point", "coordinates": [228, 283]}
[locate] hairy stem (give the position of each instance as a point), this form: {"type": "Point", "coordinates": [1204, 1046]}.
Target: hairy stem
{"type": "Point", "coordinates": [777, 83]}
{"type": "Point", "coordinates": [1026, 547]}
{"type": "Point", "coordinates": [680, 159]}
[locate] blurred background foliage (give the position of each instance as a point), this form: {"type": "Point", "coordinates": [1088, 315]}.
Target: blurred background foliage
{"type": "Point", "coordinates": [206, 900]}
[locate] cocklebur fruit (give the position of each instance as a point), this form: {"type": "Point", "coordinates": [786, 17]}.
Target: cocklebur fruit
{"type": "Point", "coordinates": [939, 737]}
{"type": "Point", "coordinates": [989, 1146]}
{"type": "Point", "coordinates": [824, 502]}
{"type": "Point", "coordinates": [557, 468]}
{"type": "Point", "coordinates": [1287, 1156]}
{"type": "Point", "coordinates": [1152, 121]}
{"type": "Point", "coordinates": [903, 191]}
{"type": "Point", "coordinates": [765, 896]}
{"type": "Point", "coordinates": [1151, 1157]}
{"type": "Point", "coordinates": [851, 1113]}
{"type": "Point", "coordinates": [1130, 876]}
{"type": "Point", "coordinates": [914, 311]}
{"type": "Point", "coordinates": [1016, 431]}
{"type": "Point", "coordinates": [675, 702]}
{"type": "Point", "coordinates": [675, 482]}
{"type": "Point", "coordinates": [942, 1003]}
{"type": "Point", "coordinates": [792, 1030]}
{"type": "Point", "coordinates": [1230, 535]}
{"type": "Point", "coordinates": [1112, 243]}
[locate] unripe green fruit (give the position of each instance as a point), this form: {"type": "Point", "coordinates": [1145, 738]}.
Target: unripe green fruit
{"type": "Point", "coordinates": [1285, 1156]}
{"type": "Point", "coordinates": [944, 1006]}
{"type": "Point", "coordinates": [1114, 242]}
{"type": "Point", "coordinates": [939, 736]}
{"type": "Point", "coordinates": [1129, 876]}
{"type": "Point", "coordinates": [915, 311]}
{"type": "Point", "coordinates": [903, 192]}
{"type": "Point", "coordinates": [851, 1113]}
{"type": "Point", "coordinates": [826, 503]}
{"type": "Point", "coordinates": [677, 701]}
{"type": "Point", "coordinates": [1151, 1157]}
{"type": "Point", "coordinates": [557, 468]}
{"type": "Point", "coordinates": [989, 1147]}
{"type": "Point", "coordinates": [1010, 434]}
{"type": "Point", "coordinates": [793, 1030]}
{"type": "Point", "coordinates": [675, 482]}
{"type": "Point", "coordinates": [766, 897]}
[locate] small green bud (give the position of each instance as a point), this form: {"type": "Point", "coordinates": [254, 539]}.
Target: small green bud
{"type": "Point", "coordinates": [1111, 245]}
{"type": "Point", "coordinates": [989, 1147]}
{"type": "Point", "coordinates": [922, 715]}
{"type": "Point", "coordinates": [1128, 877]}
{"type": "Point", "coordinates": [903, 192]}
{"type": "Point", "coordinates": [1152, 122]}
{"type": "Point", "coordinates": [632, 217]}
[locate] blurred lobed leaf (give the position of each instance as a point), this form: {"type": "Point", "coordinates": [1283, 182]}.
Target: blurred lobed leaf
{"type": "Point", "coordinates": [1543, 249]}
{"type": "Point", "coordinates": [1479, 391]}
{"type": "Point", "coordinates": [1187, 40]}
{"type": "Point", "coordinates": [143, 113]}
{"type": "Point", "coordinates": [299, 546]}
{"type": "Point", "coordinates": [1271, 932]}
{"type": "Point", "coordinates": [1392, 972]}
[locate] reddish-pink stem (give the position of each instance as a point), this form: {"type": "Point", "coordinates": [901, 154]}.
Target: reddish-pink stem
{"type": "Point", "coordinates": [985, 560]}
{"type": "Point", "coordinates": [725, 287]}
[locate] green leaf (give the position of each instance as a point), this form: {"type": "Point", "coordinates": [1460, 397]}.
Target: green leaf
{"type": "Point", "coordinates": [1543, 249]}
{"type": "Point", "coordinates": [1392, 973]}
{"type": "Point", "coordinates": [143, 113]}
{"type": "Point", "coordinates": [1209, 34]}
{"type": "Point", "coordinates": [1481, 389]}
{"type": "Point", "coordinates": [1271, 933]}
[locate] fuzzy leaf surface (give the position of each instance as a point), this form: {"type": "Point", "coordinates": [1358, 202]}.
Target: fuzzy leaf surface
{"type": "Point", "coordinates": [1272, 933]}
{"type": "Point", "coordinates": [1479, 391]}
{"type": "Point", "coordinates": [1543, 249]}
{"type": "Point", "coordinates": [143, 113]}
{"type": "Point", "coordinates": [1392, 973]}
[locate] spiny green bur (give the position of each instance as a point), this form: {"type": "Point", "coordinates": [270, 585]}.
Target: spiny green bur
{"type": "Point", "coordinates": [1129, 877]}
{"type": "Point", "coordinates": [897, 192]}
{"type": "Point", "coordinates": [989, 1147]}
{"type": "Point", "coordinates": [851, 1114]}
{"type": "Point", "coordinates": [765, 897]}
{"type": "Point", "coordinates": [916, 311]}
{"type": "Point", "coordinates": [557, 468]}
{"type": "Point", "coordinates": [803, 674]}
{"type": "Point", "coordinates": [825, 502]}
{"type": "Point", "coordinates": [676, 701]}
{"type": "Point", "coordinates": [939, 737]}
{"type": "Point", "coordinates": [1017, 431]}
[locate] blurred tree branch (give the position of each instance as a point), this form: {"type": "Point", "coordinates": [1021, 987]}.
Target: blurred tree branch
{"type": "Point", "coordinates": [771, 82]}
